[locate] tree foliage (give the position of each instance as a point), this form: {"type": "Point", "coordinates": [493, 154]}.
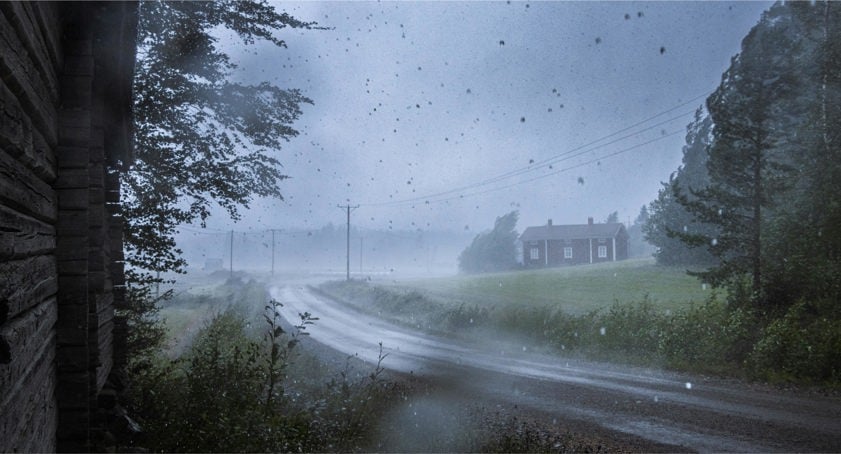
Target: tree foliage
{"type": "Point", "coordinates": [492, 251]}
{"type": "Point", "coordinates": [201, 139]}
{"type": "Point", "coordinates": [748, 162]}
{"type": "Point", "coordinates": [774, 162]}
{"type": "Point", "coordinates": [667, 216]}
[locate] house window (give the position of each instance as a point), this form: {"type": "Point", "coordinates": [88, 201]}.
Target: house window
{"type": "Point", "coordinates": [602, 252]}
{"type": "Point", "coordinates": [534, 253]}
{"type": "Point", "coordinates": [567, 252]}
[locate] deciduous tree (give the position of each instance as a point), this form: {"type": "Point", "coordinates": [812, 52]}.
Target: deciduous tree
{"type": "Point", "coordinates": [201, 139]}
{"type": "Point", "coordinates": [492, 251]}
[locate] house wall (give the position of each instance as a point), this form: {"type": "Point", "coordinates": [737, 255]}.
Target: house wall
{"type": "Point", "coordinates": [60, 233]}
{"type": "Point", "coordinates": [530, 262]}
{"type": "Point", "coordinates": [581, 250]}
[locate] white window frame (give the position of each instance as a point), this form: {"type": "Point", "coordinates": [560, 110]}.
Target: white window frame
{"type": "Point", "coordinates": [567, 252]}
{"type": "Point", "coordinates": [534, 253]}
{"type": "Point", "coordinates": [602, 252]}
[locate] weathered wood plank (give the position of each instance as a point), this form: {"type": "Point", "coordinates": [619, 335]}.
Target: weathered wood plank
{"type": "Point", "coordinates": [74, 125]}
{"type": "Point", "coordinates": [26, 81]}
{"type": "Point", "coordinates": [29, 381]}
{"type": "Point", "coordinates": [28, 412]}
{"type": "Point", "coordinates": [23, 236]}
{"type": "Point", "coordinates": [25, 337]}
{"type": "Point", "coordinates": [106, 353]}
{"type": "Point", "coordinates": [49, 25]}
{"type": "Point", "coordinates": [25, 19]}
{"type": "Point", "coordinates": [24, 191]}
{"type": "Point", "coordinates": [21, 140]}
{"type": "Point", "coordinates": [25, 283]}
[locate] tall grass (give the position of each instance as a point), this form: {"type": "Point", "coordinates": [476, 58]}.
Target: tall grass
{"type": "Point", "coordinates": [230, 390]}
{"type": "Point", "coordinates": [573, 289]}
{"type": "Point", "coordinates": [717, 336]}
{"type": "Point", "coordinates": [240, 387]}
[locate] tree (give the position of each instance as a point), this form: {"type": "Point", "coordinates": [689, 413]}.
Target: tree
{"type": "Point", "coordinates": [666, 216]}
{"type": "Point", "coordinates": [200, 138]}
{"type": "Point", "coordinates": [492, 251]}
{"type": "Point", "coordinates": [612, 218]}
{"type": "Point", "coordinates": [805, 250]}
{"type": "Point", "coordinates": [639, 247]}
{"type": "Point", "coordinates": [749, 161]}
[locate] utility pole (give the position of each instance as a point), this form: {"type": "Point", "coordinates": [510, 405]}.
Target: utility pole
{"type": "Point", "coordinates": [348, 207]}
{"type": "Point", "coordinates": [231, 260]}
{"type": "Point", "coordinates": [361, 245]}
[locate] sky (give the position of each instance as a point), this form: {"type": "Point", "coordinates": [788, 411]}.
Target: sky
{"type": "Point", "coordinates": [445, 115]}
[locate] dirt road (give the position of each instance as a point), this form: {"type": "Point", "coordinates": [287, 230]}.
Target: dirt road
{"type": "Point", "coordinates": [695, 413]}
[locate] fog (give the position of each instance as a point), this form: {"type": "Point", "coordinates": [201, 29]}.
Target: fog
{"type": "Point", "coordinates": [432, 119]}
{"type": "Point", "coordinates": [373, 253]}
{"type": "Point", "coordinates": [441, 116]}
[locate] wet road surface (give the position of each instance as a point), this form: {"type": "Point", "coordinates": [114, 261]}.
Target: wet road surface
{"type": "Point", "coordinates": [695, 413]}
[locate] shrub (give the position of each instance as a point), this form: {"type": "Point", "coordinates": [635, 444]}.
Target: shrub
{"type": "Point", "coordinates": [229, 393]}
{"type": "Point", "coordinates": [804, 344]}
{"type": "Point", "coordinates": [634, 329]}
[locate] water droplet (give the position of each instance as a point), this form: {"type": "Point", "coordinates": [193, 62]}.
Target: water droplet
{"type": "Point", "coordinates": [688, 385]}
{"type": "Point", "coordinates": [602, 331]}
{"type": "Point", "coordinates": [656, 399]}
{"type": "Point", "coordinates": [714, 241]}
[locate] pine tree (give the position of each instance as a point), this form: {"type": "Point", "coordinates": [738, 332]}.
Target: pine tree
{"type": "Point", "coordinates": [806, 244]}
{"type": "Point", "coordinates": [667, 217]}
{"type": "Point", "coordinates": [749, 160]}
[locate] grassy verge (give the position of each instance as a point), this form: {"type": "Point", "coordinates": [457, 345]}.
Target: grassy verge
{"type": "Point", "coordinates": [631, 312]}
{"type": "Point", "coordinates": [575, 289]}
{"type": "Point", "coordinates": [233, 378]}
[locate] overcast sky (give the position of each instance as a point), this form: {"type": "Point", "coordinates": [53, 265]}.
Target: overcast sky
{"type": "Point", "coordinates": [568, 109]}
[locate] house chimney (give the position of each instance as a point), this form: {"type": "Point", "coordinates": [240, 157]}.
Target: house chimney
{"type": "Point", "coordinates": [590, 221]}
{"type": "Point", "coordinates": [549, 223]}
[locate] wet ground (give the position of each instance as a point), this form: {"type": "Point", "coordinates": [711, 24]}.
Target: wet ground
{"type": "Point", "coordinates": [640, 408]}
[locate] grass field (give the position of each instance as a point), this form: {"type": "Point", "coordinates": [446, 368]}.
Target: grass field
{"type": "Point", "coordinates": [574, 290]}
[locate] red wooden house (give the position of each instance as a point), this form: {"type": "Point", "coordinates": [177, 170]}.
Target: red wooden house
{"type": "Point", "coordinates": [558, 245]}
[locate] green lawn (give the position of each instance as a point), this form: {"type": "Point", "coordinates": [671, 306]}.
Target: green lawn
{"type": "Point", "coordinates": [574, 289]}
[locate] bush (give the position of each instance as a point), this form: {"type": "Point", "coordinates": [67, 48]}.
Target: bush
{"type": "Point", "coordinates": [726, 338]}
{"type": "Point", "coordinates": [803, 345]}
{"type": "Point", "coordinates": [228, 393]}
{"type": "Point", "coordinates": [634, 329]}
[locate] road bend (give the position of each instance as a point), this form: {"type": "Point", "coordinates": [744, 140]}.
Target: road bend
{"type": "Point", "coordinates": [695, 413]}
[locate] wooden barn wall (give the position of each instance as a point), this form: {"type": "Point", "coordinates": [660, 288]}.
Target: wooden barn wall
{"type": "Point", "coordinates": [61, 141]}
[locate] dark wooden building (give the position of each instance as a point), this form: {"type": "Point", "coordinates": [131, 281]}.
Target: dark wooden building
{"type": "Point", "coordinates": [557, 245]}
{"type": "Point", "coordinates": [65, 135]}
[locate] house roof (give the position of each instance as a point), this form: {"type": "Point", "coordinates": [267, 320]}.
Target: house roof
{"type": "Point", "coordinates": [571, 232]}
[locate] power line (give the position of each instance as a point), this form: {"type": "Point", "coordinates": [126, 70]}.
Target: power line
{"type": "Point", "coordinates": [566, 169]}
{"type": "Point", "coordinates": [590, 146]}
